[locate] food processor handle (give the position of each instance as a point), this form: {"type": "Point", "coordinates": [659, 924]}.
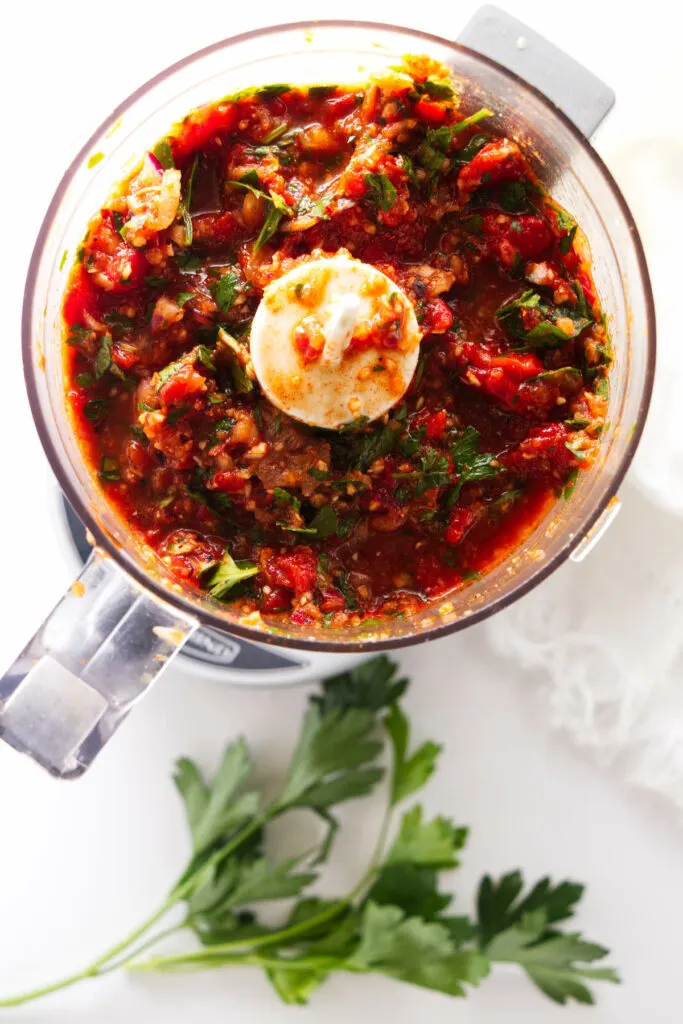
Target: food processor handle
{"type": "Point", "coordinates": [577, 92]}
{"type": "Point", "coordinates": [95, 655]}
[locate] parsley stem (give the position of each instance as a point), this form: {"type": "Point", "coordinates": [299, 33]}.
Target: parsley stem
{"type": "Point", "coordinates": [376, 858]}
{"type": "Point", "coordinates": [378, 853]}
{"type": "Point", "coordinates": [274, 938]}
{"type": "Point", "coordinates": [45, 990]}
{"type": "Point", "coordinates": [206, 958]}
{"type": "Point", "coordinates": [100, 966]}
{"type": "Point", "coordinates": [103, 964]}
{"type": "Point", "coordinates": [124, 944]}
{"type": "Point", "coordinates": [147, 944]}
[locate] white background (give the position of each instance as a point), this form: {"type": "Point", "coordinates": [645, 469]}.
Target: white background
{"type": "Point", "coordinates": [81, 863]}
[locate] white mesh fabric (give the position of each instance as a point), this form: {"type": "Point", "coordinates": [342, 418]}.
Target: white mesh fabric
{"type": "Point", "coordinates": [605, 637]}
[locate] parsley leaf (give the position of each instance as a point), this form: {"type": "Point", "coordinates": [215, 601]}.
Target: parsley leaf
{"type": "Point", "coordinates": [568, 226]}
{"type": "Point", "coordinates": [439, 88]}
{"type": "Point", "coordinates": [518, 931]}
{"type": "Point", "coordinates": [250, 182]}
{"type": "Point", "coordinates": [228, 574]}
{"type": "Point", "coordinates": [431, 154]}
{"type": "Point", "coordinates": [188, 262]}
{"type": "Point", "coordinates": [470, 149]}
{"type": "Point", "coordinates": [377, 444]}
{"type": "Point", "coordinates": [372, 685]}
{"type": "Point", "coordinates": [96, 411]}
{"type": "Point", "coordinates": [77, 334]}
{"type": "Point", "coordinates": [469, 463]}
{"type": "Point", "coordinates": [413, 950]}
{"type": "Point", "coordinates": [187, 202]}
{"type": "Point", "coordinates": [224, 291]}
{"type": "Point", "coordinates": [213, 811]}
{"type": "Point", "coordinates": [381, 192]}
{"type": "Point", "coordinates": [177, 413]}
{"type": "Point", "coordinates": [103, 360]}
{"type": "Point", "coordinates": [390, 939]}
{"type": "Point", "coordinates": [164, 154]}
{"type": "Point", "coordinates": [566, 242]}
{"type": "Point", "coordinates": [568, 378]}
{"type": "Point", "coordinates": [335, 749]}
{"type": "Point", "coordinates": [270, 226]}
{"type": "Point", "coordinates": [312, 207]}
{"type": "Point", "coordinates": [324, 522]}
{"type": "Point", "coordinates": [166, 372]}
{"type": "Point", "coordinates": [411, 887]}
{"type": "Point", "coordinates": [410, 772]}
{"type": "Point", "coordinates": [109, 469]}
{"type": "Point", "coordinates": [260, 881]}
{"type": "Point", "coordinates": [289, 499]}
{"type": "Point", "coordinates": [433, 472]}
{"type": "Point", "coordinates": [224, 425]}
{"type": "Point", "coordinates": [295, 529]}
{"type": "Point", "coordinates": [514, 198]}
{"type": "Point", "coordinates": [205, 357]}
{"type": "Point", "coordinates": [430, 844]}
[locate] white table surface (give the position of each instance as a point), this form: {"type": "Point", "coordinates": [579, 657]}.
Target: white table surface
{"type": "Point", "coordinates": [81, 863]}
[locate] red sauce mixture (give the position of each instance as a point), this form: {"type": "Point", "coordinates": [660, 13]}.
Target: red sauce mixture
{"type": "Point", "coordinates": [333, 527]}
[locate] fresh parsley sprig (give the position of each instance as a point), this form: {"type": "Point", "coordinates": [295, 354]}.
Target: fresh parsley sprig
{"type": "Point", "coordinates": [395, 921]}
{"type": "Point", "coordinates": [228, 574]}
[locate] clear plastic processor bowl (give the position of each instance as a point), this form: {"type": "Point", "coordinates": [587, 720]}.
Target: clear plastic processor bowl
{"type": "Point", "coordinates": [156, 613]}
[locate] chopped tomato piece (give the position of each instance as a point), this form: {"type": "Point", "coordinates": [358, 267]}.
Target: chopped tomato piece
{"type": "Point", "coordinates": [229, 481]}
{"type": "Point", "coordinates": [136, 460]}
{"type": "Point", "coordinates": [332, 601]}
{"type": "Point", "coordinates": [514, 238]}
{"type": "Point", "coordinates": [111, 262]}
{"type": "Point", "coordinates": [435, 427]}
{"type": "Point", "coordinates": [338, 106]}
{"type": "Point", "coordinates": [587, 286]}
{"type": "Point", "coordinates": [276, 600]}
{"type": "Point", "coordinates": [428, 110]}
{"type": "Point", "coordinates": [183, 383]}
{"type": "Point", "coordinates": [498, 161]}
{"type": "Point", "coordinates": [544, 453]}
{"type": "Point", "coordinates": [199, 127]}
{"type": "Point", "coordinates": [498, 375]}
{"type": "Point", "coordinates": [214, 229]}
{"type": "Point", "coordinates": [81, 298]}
{"type": "Point", "coordinates": [125, 356]}
{"type": "Point", "coordinates": [296, 571]}
{"type": "Point", "coordinates": [459, 523]}
{"type": "Point", "coordinates": [438, 318]}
